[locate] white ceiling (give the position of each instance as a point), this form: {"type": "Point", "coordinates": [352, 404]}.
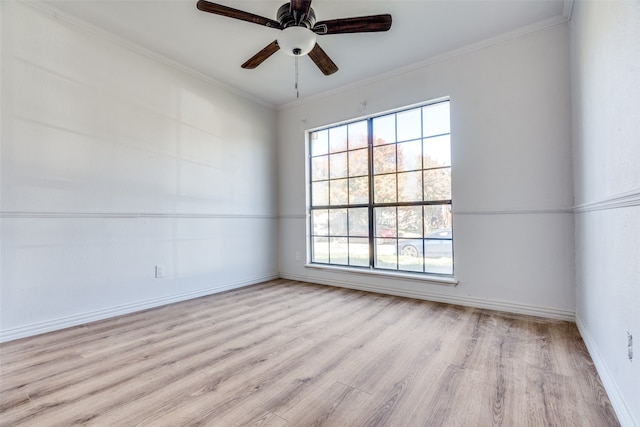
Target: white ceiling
{"type": "Point", "coordinates": [216, 46]}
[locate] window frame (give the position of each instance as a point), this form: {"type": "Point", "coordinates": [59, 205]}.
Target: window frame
{"type": "Point", "coordinates": [371, 205]}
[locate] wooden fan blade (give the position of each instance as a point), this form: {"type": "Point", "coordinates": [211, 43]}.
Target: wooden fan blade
{"type": "Point", "coordinates": [300, 9]}
{"type": "Point", "coordinates": [261, 56]}
{"type": "Point", "coordinates": [361, 24]}
{"type": "Point", "coordinates": [230, 12]}
{"type": "Point", "coordinates": [322, 60]}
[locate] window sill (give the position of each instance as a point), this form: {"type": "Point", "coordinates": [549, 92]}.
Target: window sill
{"type": "Point", "coordinates": [429, 278]}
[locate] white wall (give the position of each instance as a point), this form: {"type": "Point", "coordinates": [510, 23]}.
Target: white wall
{"type": "Point", "coordinates": [113, 162]}
{"type": "Point", "coordinates": [606, 112]}
{"type": "Point", "coordinates": [512, 180]}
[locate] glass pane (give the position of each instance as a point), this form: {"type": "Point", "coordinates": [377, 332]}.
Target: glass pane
{"type": "Point", "coordinates": [338, 251]}
{"type": "Point", "coordinates": [358, 190]}
{"type": "Point", "coordinates": [410, 255]}
{"type": "Point", "coordinates": [319, 142]}
{"type": "Point", "coordinates": [320, 193]}
{"type": "Point", "coordinates": [384, 189]}
{"type": "Point", "coordinates": [338, 222]}
{"type": "Point", "coordinates": [358, 135]}
{"type": "Point", "coordinates": [410, 221]}
{"type": "Point", "coordinates": [437, 151]}
{"type": "Point", "coordinates": [384, 159]}
{"type": "Point", "coordinates": [386, 254]}
{"type": "Point", "coordinates": [319, 168]}
{"type": "Point", "coordinates": [338, 139]}
{"type": "Point", "coordinates": [437, 184]}
{"type": "Point", "coordinates": [359, 251]}
{"type": "Point", "coordinates": [358, 162]}
{"type": "Point", "coordinates": [439, 265]}
{"type": "Point", "coordinates": [338, 192]}
{"type": "Point", "coordinates": [409, 124]}
{"type": "Point", "coordinates": [385, 223]}
{"type": "Point", "coordinates": [320, 249]}
{"type": "Point", "coordinates": [320, 222]}
{"type": "Point", "coordinates": [438, 256]}
{"type": "Point", "coordinates": [338, 165]}
{"type": "Point", "coordinates": [384, 129]}
{"type": "Point", "coordinates": [435, 119]}
{"type": "Point", "coordinates": [410, 187]}
{"type": "Point", "coordinates": [437, 217]}
{"type": "Point", "coordinates": [410, 156]}
{"type": "Point", "coordinates": [359, 222]}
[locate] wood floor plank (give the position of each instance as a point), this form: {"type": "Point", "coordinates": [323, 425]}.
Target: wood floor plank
{"type": "Point", "coordinates": [298, 323]}
{"type": "Point", "coordinates": [334, 363]}
{"type": "Point", "coordinates": [101, 334]}
{"type": "Point", "coordinates": [287, 353]}
{"type": "Point", "coordinates": [127, 371]}
{"type": "Point", "coordinates": [75, 373]}
{"type": "Point", "coordinates": [335, 404]}
{"type": "Point", "coordinates": [284, 382]}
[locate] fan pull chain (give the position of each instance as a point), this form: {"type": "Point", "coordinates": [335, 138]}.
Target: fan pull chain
{"type": "Point", "coordinates": [296, 53]}
{"type": "Point", "coordinates": [297, 92]}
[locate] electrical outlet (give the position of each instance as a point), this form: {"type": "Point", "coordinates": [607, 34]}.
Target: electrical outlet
{"type": "Point", "coordinates": [297, 256]}
{"type": "Point", "coordinates": [159, 271]}
{"type": "Point", "coordinates": [630, 346]}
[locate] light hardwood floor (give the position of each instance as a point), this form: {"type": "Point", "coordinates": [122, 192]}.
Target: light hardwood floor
{"type": "Point", "coordinates": [287, 353]}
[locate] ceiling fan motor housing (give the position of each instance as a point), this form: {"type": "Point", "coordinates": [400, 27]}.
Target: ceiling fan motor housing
{"type": "Point", "coordinates": [288, 19]}
{"type": "Point", "coordinates": [298, 27]}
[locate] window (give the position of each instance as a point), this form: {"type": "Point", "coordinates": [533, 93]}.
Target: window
{"type": "Point", "coordinates": [380, 192]}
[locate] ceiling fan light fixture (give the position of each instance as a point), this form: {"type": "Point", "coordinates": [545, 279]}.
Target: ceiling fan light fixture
{"type": "Point", "coordinates": [296, 41]}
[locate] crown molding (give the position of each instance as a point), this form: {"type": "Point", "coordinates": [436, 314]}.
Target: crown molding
{"type": "Point", "coordinates": [96, 31]}
{"type": "Point", "coordinates": [476, 46]}
{"type": "Point", "coordinates": [43, 7]}
{"type": "Point", "coordinates": [567, 12]}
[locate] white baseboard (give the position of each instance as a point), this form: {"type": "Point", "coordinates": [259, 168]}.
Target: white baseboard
{"type": "Point", "coordinates": [490, 304]}
{"type": "Point", "coordinates": [80, 319]}
{"type": "Point", "coordinates": [620, 406]}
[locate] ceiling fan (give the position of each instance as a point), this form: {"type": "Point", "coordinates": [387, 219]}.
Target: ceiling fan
{"type": "Point", "coordinates": [297, 22]}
